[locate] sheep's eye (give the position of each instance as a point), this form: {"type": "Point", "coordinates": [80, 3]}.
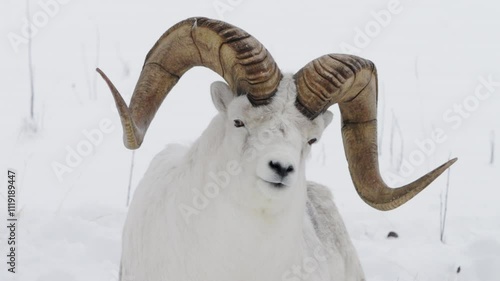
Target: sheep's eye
{"type": "Point", "coordinates": [311, 141]}
{"type": "Point", "coordinates": [238, 123]}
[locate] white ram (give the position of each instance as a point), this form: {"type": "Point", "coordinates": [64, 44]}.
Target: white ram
{"type": "Point", "coordinates": [236, 206]}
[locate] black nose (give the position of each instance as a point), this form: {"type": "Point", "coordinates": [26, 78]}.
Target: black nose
{"type": "Point", "coordinates": [279, 169]}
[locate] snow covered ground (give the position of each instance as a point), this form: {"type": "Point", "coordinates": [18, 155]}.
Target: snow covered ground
{"type": "Point", "coordinates": [439, 96]}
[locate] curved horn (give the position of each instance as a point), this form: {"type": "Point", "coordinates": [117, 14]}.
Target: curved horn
{"type": "Point", "coordinates": [231, 52]}
{"type": "Point", "coordinates": [351, 82]}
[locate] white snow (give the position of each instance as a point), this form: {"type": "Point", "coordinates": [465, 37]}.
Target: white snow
{"type": "Point", "coordinates": [431, 58]}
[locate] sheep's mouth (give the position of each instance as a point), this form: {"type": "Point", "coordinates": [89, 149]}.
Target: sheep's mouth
{"type": "Point", "coordinates": [274, 184]}
{"type": "Point", "coordinates": [277, 184]}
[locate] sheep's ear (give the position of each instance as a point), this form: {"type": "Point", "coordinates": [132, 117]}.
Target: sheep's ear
{"type": "Point", "coordinates": [221, 95]}
{"type": "Point", "coordinates": [327, 117]}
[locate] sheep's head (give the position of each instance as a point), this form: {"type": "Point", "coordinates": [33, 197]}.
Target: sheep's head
{"type": "Point", "coordinates": [270, 142]}
{"type": "Point", "coordinates": [293, 110]}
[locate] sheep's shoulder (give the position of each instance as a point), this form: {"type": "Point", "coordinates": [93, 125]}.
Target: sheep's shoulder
{"type": "Point", "coordinates": [330, 229]}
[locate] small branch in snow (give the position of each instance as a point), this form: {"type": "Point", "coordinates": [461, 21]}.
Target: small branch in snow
{"type": "Point", "coordinates": [86, 70]}
{"type": "Point", "coordinates": [31, 75]}
{"type": "Point", "coordinates": [382, 119]}
{"type": "Point", "coordinates": [396, 130]}
{"type": "Point", "coordinates": [97, 57]}
{"type": "Point", "coordinates": [130, 178]}
{"type": "Point", "coordinates": [444, 206]}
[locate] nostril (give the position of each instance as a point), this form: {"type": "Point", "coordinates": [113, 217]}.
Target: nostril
{"type": "Point", "coordinates": [275, 166]}
{"type": "Point", "coordinates": [279, 169]}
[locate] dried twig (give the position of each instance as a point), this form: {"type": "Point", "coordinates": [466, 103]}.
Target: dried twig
{"type": "Point", "coordinates": [444, 206]}
{"type": "Point", "coordinates": [130, 177]}
{"type": "Point", "coordinates": [30, 69]}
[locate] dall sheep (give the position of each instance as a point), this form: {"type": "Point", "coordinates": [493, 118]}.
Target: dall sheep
{"type": "Point", "coordinates": [236, 206]}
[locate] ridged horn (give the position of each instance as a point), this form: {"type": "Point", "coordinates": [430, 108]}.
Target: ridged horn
{"type": "Point", "coordinates": [351, 82]}
{"type": "Point", "coordinates": [237, 56]}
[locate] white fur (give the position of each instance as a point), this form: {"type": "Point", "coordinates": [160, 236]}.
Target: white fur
{"type": "Point", "coordinates": [211, 212]}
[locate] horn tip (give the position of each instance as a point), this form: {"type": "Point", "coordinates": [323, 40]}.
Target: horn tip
{"type": "Point", "coordinates": [100, 71]}
{"type": "Point", "coordinates": [451, 162]}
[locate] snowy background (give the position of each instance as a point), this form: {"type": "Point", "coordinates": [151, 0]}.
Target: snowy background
{"type": "Point", "coordinates": [434, 60]}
